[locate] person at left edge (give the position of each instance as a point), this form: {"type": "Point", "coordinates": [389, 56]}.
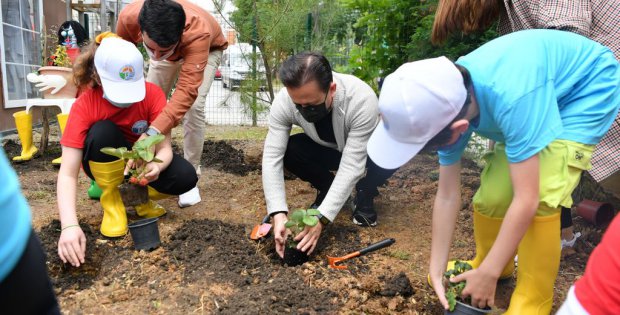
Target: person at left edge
{"type": "Point", "coordinates": [25, 287]}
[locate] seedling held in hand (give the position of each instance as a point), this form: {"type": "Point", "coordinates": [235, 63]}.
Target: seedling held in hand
{"type": "Point", "coordinates": [298, 221]}
{"type": "Point", "coordinates": [141, 153]}
{"type": "Point", "coordinates": [454, 290]}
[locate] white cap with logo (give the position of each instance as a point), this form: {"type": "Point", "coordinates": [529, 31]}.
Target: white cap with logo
{"type": "Point", "coordinates": [417, 101]}
{"type": "Point", "coordinates": [120, 67]}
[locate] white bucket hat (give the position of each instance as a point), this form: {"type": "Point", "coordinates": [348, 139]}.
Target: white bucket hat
{"type": "Point", "coordinates": [417, 101]}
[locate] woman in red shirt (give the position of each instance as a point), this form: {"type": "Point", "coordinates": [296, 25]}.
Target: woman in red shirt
{"type": "Point", "coordinates": [115, 110]}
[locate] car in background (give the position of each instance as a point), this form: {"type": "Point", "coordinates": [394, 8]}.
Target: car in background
{"type": "Point", "coordinates": [237, 65]}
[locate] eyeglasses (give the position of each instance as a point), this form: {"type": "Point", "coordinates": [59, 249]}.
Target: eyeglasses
{"type": "Point", "coordinates": [312, 107]}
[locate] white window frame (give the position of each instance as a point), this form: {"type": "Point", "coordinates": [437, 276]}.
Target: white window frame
{"type": "Point", "coordinates": [21, 102]}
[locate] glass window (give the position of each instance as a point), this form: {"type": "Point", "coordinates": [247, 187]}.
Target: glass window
{"type": "Point", "coordinates": [21, 48]}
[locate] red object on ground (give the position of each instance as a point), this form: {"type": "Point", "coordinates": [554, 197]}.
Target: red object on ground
{"type": "Point", "coordinates": [218, 73]}
{"type": "Point", "coordinates": [597, 213]}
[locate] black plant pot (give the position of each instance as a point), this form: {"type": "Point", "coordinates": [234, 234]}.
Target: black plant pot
{"type": "Point", "coordinates": [464, 309]}
{"type": "Point", "coordinates": [133, 195]}
{"type": "Point", "coordinates": [145, 234]}
{"type": "Point", "coordinates": [294, 257]}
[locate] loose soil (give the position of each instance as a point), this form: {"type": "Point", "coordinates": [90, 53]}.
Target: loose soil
{"type": "Point", "coordinates": [207, 263]}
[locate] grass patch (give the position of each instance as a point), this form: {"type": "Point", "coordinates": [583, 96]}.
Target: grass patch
{"type": "Point", "coordinates": [38, 195]}
{"type": "Point", "coordinates": [399, 254]}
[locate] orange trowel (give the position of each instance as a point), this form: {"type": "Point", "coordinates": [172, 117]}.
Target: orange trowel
{"type": "Point", "coordinates": [261, 230]}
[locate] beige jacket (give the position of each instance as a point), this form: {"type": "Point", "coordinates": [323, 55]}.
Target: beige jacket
{"type": "Point", "coordinates": [355, 115]}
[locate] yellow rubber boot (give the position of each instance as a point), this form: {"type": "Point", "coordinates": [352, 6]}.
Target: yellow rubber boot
{"type": "Point", "coordinates": [485, 232]}
{"type": "Point", "coordinates": [539, 261]}
{"type": "Point", "coordinates": [108, 176]}
{"type": "Point", "coordinates": [23, 123]}
{"type": "Point", "coordinates": [62, 122]}
{"type": "Point", "coordinates": [151, 209]}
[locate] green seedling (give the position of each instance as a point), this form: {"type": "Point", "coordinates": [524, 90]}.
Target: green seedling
{"type": "Point", "coordinates": [141, 153]}
{"type": "Point", "coordinates": [454, 290]}
{"type": "Point", "coordinates": [298, 221]}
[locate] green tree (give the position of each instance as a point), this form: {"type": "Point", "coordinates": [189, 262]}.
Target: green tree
{"type": "Point", "coordinates": [390, 33]}
{"type": "Point", "coordinates": [280, 28]}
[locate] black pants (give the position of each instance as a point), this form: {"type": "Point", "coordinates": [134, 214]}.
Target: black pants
{"type": "Point", "coordinates": [178, 178]}
{"type": "Point", "coordinates": [27, 289]}
{"type": "Point", "coordinates": [313, 163]}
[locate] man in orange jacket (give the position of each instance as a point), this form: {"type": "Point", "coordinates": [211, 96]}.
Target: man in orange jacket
{"type": "Point", "coordinates": [185, 44]}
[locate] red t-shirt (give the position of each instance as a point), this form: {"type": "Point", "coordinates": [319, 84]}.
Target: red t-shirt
{"type": "Point", "coordinates": [91, 107]}
{"type": "Point", "coordinates": [598, 291]}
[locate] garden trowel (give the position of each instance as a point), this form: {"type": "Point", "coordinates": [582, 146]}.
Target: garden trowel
{"type": "Point", "coordinates": [334, 261]}
{"type": "Point", "coordinates": [261, 230]}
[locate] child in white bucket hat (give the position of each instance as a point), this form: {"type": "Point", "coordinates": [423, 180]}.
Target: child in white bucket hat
{"type": "Point", "coordinates": [115, 110]}
{"type": "Point", "coordinates": [546, 97]}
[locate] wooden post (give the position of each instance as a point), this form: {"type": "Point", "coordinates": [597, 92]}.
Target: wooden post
{"type": "Point", "coordinates": [46, 131]}
{"type": "Point", "coordinates": [103, 16]}
{"type": "Point", "coordinates": [69, 15]}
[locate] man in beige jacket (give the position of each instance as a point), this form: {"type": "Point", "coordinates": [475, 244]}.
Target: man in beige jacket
{"type": "Point", "coordinates": [184, 43]}
{"type": "Point", "coordinates": [338, 113]}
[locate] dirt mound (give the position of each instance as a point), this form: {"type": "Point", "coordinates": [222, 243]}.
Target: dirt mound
{"type": "Point", "coordinates": [38, 163]}
{"type": "Point", "coordinates": [213, 251]}
{"type": "Point", "coordinates": [397, 285]}
{"type": "Point", "coordinates": [64, 276]}
{"type": "Point", "coordinates": [224, 157]}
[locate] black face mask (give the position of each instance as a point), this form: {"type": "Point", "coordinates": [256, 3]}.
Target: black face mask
{"type": "Point", "coordinates": [314, 113]}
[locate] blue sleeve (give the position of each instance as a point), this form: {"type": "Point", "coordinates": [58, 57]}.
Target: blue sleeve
{"type": "Point", "coordinates": [14, 218]}
{"type": "Point", "coordinates": [530, 123]}
{"type": "Point", "coordinates": [453, 154]}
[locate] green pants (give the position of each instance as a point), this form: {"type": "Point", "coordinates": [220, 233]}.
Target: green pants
{"type": "Point", "coordinates": [561, 164]}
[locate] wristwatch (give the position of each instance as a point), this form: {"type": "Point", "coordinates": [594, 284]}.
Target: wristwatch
{"type": "Point", "coordinates": [151, 132]}
{"type": "Point", "coordinates": [323, 219]}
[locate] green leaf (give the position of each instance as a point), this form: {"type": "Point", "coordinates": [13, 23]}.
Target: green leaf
{"type": "Point", "coordinates": [144, 147]}
{"type": "Point", "coordinates": [289, 224]}
{"type": "Point", "coordinates": [311, 220]}
{"type": "Point", "coordinates": [313, 212]}
{"type": "Point", "coordinates": [150, 141]}
{"type": "Point", "coordinates": [298, 215]}
{"type": "Point", "coordinates": [156, 160]}
{"type": "Point", "coordinates": [121, 152]}
{"type": "Point", "coordinates": [451, 297]}
{"type": "Point", "coordinates": [146, 155]}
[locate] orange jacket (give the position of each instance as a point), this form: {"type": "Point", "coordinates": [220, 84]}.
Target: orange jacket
{"type": "Point", "coordinates": [202, 34]}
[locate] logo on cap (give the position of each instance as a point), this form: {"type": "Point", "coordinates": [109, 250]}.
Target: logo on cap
{"type": "Point", "coordinates": [127, 73]}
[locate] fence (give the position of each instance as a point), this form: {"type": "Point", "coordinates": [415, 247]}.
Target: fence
{"type": "Point", "coordinates": [230, 99]}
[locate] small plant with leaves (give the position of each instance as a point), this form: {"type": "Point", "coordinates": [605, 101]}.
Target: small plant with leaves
{"type": "Point", "coordinates": [454, 290]}
{"type": "Point", "coordinates": [298, 221]}
{"type": "Point", "coordinates": [142, 152]}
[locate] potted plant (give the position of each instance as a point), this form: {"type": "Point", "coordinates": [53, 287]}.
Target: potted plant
{"type": "Point", "coordinates": [59, 64]}
{"type": "Point", "coordinates": [297, 222]}
{"type": "Point", "coordinates": [454, 290]}
{"type": "Point", "coordinates": [134, 190]}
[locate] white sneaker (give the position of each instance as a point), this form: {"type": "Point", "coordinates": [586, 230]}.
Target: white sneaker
{"type": "Point", "coordinates": [571, 243]}
{"type": "Point", "coordinates": [189, 198]}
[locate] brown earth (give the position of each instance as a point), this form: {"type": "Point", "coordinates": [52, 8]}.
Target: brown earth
{"type": "Point", "coordinates": [207, 264]}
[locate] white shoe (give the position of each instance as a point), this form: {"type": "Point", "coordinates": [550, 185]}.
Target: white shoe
{"type": "Point", "coordinates": [189, 198]}
{"type": "Point", "coordinates": [571, 243]}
